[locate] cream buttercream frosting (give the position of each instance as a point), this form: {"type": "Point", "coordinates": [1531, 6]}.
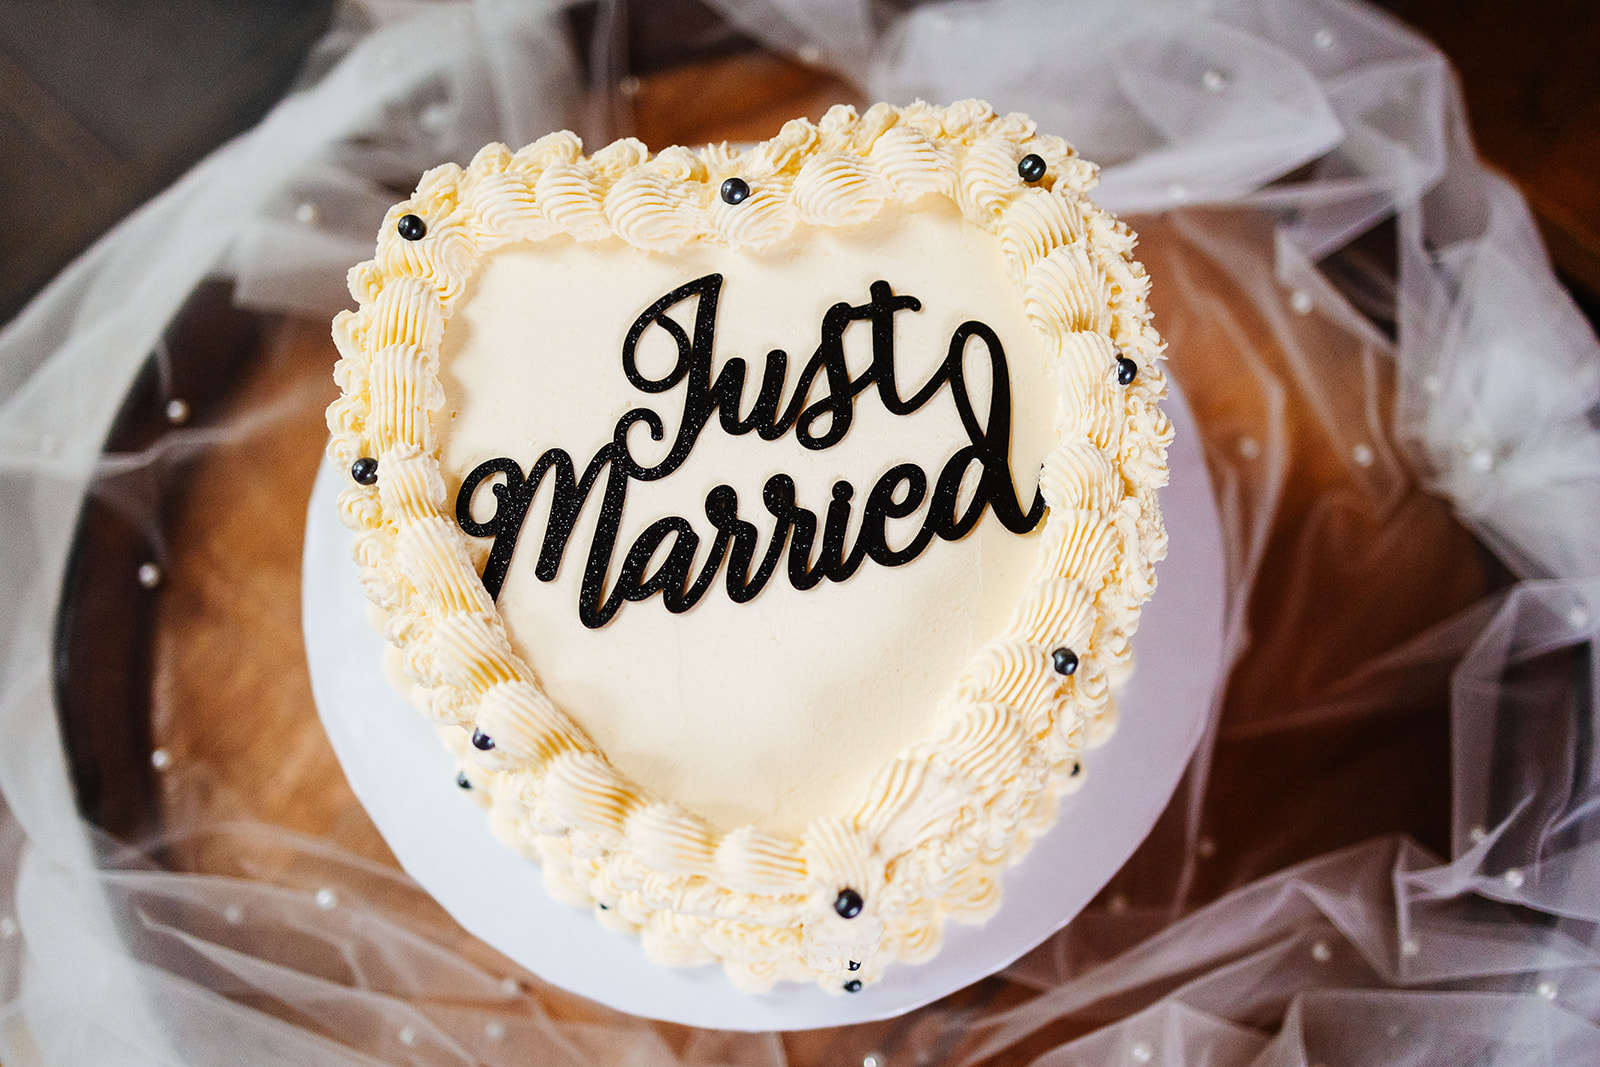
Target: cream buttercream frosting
{"type": "Point", "coordinates": [724, 781]}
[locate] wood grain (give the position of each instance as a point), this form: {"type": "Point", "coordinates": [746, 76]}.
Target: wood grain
{"type": "Point", "coordinates": [233, 706]}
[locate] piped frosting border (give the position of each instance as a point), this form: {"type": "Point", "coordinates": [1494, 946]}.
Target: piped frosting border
{"type": "Point", "coordinates": [948, 814]}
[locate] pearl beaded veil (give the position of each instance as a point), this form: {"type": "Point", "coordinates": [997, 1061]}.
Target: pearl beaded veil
{"type": "Point", "coordinates": [1365, 320]}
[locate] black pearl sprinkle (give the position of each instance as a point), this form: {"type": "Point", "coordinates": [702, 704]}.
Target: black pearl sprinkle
{"type": "Point", "coordinates": [364, 470]}
{"type": "Point", "coordinates": [853, 986]}
{"type": "Point", "coordinates": [854, 966]}
{"type": "Point", "coordinates": [1127, 370]}
{"type": "Point", "coordinates": [735, 191]}
{"type": "Point", "coordinates": [411, 227]}
{"type": "Point", "coordinates": [481, 741]}
{"type": "Point", "coordinates": [461, 780]}
{"type": "Point", "coordinates": [1032, 168]}
{"type": "Point", "coordinates": [1065, 661]}
{"type": "Point", "coordinates": [605, 907]}
{"type": "Point", "coordinates": [847, 904]}
{"type": "Point", "coordinates": [1077, 769]}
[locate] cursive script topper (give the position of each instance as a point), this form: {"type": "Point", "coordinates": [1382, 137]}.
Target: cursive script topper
{"type": "Point", "coordinates": [816, 424]}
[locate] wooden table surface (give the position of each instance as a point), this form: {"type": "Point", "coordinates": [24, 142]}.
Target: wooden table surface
{"type": "Point", "coordinates": [231, 701]}
{"type": "Point", "coordinates": [173, 78]}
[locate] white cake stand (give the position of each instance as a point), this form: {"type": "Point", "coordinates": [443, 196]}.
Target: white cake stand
{"type": "Point", "coordinates": [404, 777]}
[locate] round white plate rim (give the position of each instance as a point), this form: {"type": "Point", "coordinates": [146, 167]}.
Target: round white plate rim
{"type": "Point", "coordinates": [403, 776]}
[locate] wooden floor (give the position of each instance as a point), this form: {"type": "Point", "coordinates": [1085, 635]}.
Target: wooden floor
{"type": "Point", "coordinates": [104, 102]}
{"type": "Point", "coordinates": [1531, 75]}
{"type": "Point", "coordinates": [85, 154]}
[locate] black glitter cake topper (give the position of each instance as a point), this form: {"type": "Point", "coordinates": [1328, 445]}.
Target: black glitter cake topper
{"type": "Point", "coordinates": [817, 545]}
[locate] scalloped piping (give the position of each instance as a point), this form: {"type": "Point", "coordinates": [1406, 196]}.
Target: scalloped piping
{"type": "Point", "coordinates": [948, 814]}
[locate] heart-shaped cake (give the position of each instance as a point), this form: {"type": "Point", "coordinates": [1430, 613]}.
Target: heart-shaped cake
{"type": "Point", "coordinates": [764, 529]}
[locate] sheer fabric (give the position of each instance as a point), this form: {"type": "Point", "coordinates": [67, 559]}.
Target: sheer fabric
{"type": "Point", "coordinates": [1388, 377]}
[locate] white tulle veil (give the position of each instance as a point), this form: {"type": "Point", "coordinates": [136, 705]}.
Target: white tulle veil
{"type": "Point", "coordinates": [1272, 141]}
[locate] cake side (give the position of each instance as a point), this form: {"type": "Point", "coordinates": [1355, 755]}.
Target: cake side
{"type": "Point", "coordinates": [840, 900]}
